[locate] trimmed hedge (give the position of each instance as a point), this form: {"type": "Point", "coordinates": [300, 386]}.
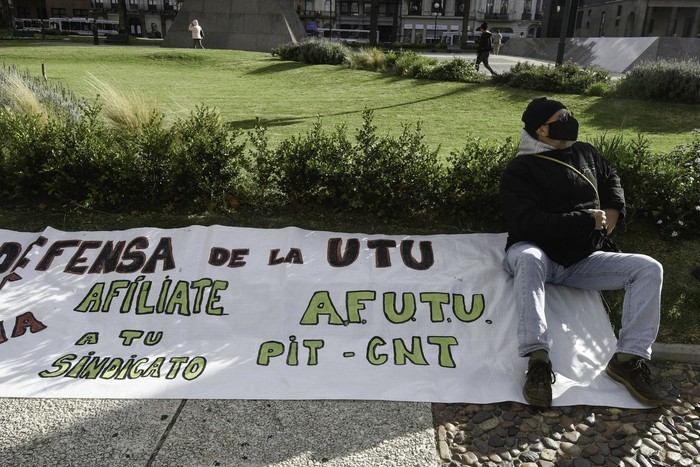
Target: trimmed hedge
{"type": "Point", "coordinates": [199, 162]}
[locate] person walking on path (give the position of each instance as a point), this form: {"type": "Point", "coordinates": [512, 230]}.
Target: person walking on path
{"type": "Point", "coordinates": [497, 41]}
{"type": "Point", "coordinates": [560, 200]}
{"type": "Point", "coordinates": [197, 34]}
{"type": "Point", "coordinates": [483, 48]}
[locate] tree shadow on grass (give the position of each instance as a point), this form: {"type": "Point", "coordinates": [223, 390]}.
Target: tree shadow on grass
{"type": "Point", "coordinates": [251, 123]}
{"type": "Point", "coordinates": [644, 116]}
{"type": "Point", "coordinates": [277, 68]}
{"type": "Point", "coordinates": [616, 114]}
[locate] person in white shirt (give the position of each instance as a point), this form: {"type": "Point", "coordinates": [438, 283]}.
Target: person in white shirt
{"type": "Point", "coordinates": [197, 34]}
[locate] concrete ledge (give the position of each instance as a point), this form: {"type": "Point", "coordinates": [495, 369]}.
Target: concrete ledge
{"type": "Point", "coordinates": [614, 54]}
{"type": "Point", "coordinates": [676, 352]}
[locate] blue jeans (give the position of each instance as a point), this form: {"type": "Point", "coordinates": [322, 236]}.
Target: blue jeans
{"type": "Point", "coordinates": [640, 276]}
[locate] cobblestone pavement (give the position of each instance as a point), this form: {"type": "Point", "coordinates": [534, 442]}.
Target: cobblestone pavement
{"type": "Point", "coordinates": [515, 434]}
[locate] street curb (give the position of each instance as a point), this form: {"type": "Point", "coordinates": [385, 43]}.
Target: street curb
{"type": "Point", "coordinates": [676, 352]}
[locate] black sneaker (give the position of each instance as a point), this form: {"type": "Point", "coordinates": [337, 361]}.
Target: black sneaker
{"type": "Point", "coordinates": [538, 384]}
{"type": "Point", "coordinates": [635, 375]}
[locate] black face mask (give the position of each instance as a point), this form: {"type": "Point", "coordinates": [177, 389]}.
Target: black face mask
{"type": "Point", "coordinates": [564, 130]}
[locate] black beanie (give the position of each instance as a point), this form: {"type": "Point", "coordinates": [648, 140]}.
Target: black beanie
{"type": "Point", "coordinates": [538, 112]}
{"type": "Point", "coordinates": [484, 26]}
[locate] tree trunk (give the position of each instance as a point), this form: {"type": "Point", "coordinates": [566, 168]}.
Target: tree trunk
{"type": "Point", "coordinates": [398, 4]}
{"type": "Point", "coordinates": [465, 25]}
{"type": "Point", "coordinates": [5, 15]}
{"type": "Point", "coordinates": [373, 20]}
{"type": "Point", "coordinates": [123, 26]}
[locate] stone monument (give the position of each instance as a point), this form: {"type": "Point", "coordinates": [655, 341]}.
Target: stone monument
{"type": "Point", "coordinates": [255, 25]}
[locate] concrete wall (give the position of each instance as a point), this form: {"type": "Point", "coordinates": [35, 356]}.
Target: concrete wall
{"type": "Point", "coordinates": [615, 54]}
{"type": "Point", "coordinates": [258, 26]}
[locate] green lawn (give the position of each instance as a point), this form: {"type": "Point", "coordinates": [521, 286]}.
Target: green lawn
{"type": "Point", "coordinates": [289, 96]}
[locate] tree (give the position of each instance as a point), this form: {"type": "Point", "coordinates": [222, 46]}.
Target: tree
{"type": "Point", "coordinates": [465, 25]}
{"type": "Point", "coordinates": [123, 26]}
{"type": "Point", "coordinates": [373, 20]}
{"type": "Point", "coordinates": [5, 14]}
{"type": "Point", "coordinates": [398, 4]}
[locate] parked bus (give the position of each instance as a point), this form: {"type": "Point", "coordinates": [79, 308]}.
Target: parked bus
{"type": "Point", "coordinates": [344, 35]}
{"type": "Point", "coordinates": [82, 26]}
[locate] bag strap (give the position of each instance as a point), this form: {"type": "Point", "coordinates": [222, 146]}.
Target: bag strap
{"type": "Point", "coordinates": [574, 169]}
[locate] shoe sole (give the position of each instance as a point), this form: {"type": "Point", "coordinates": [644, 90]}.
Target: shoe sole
{"type": "Point", "coordinates": [641, 398]}
{"type": "Point", "coordinates": [537, 403]}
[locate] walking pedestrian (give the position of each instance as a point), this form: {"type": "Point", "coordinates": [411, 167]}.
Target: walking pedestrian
{"type": "Point", "coordinates": [497, 41]}
{"type": "Point", "coordinates": [197, 34]}
{"type": "Point", "coordinates": [483, 48]}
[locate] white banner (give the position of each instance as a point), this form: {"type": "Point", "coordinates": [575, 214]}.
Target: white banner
{"type": "Point", "coordinates": [236, 313]}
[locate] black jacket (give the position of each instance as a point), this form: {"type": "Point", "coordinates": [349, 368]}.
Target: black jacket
{"type": "Point", "coordinates": [484, 42]}
{"type": "Point", "coordinates": [543, 202]}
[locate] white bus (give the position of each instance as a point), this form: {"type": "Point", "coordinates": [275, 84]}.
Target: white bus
{"type": "Point", "coordinates": [82, 26]}
{"type": "Point", "coordinates": [345, 35]}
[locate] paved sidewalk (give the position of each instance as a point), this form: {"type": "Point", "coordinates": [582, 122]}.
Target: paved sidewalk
{"type": "Point", "coordinates": [499, 63]}
{"type": "Point", "coordinates": [81, 433]}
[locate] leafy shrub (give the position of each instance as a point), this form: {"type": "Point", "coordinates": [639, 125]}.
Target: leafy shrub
{"type": "Point", "coordinates": [599, 89]}
{"type": "Point", "coordinates": [663, 80]}
{"type": "Point", "coordinates": [314, 167]}
{"type": "Point", "coordinates": [314, 51]}
{"type": "Point", "coordinates": [388, 175]}
{"type": "Point", "coordinates": [662, 187]}
{"type": "Point", "coordinates": [289, 51]}
{"type": "Point", "coordinates": [456, 69]}
{"type": "Point", "coordinates": [323, 52]}
{"type": "Point", "coordinates": [474, 177]}
{"type": "Point", "coordinates": [208, 164]}
{"type": "Point", "coordinates": [393, 175]}
{"type": "Point", "coordinates": [565, 78]}
{"type": "Point", "coordinates": [411, 64]}
{"type": "Point", "coordinates": [267, 188]}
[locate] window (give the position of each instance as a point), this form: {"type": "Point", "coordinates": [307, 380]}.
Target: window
{"type": "Point", "coordinates": [489, 6]}
{"type": "Point", "coordinates": [327, 5]}
{"type": "Point", "coordinates": [459, 8]}
{"type": "Point", "coordinates": [504, 7]}
{"type": "Point", "coordinates": [527, 9]}
{"type": "Point", "coordinates": [58, 12]}
{"type": "Point", "coordinates": [23, 12]}
{"type": "Point", "coordinates": [133, 3]}
{"type": "Point", "coordinates": [415, 7]}
{"type": "Point", "coordinates": [308, 6]}
{"type": "Point", "coordinates": [152, 5]}
{"type": "Point", "coordinates": [619, 10]}
{"type": "Point", "coordinates": [81, 12]}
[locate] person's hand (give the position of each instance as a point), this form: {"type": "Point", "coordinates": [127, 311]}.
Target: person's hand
{"type": "Point", "coordinates": [612, 216]}
{"type": "Point", "coordinates": [600, 218]}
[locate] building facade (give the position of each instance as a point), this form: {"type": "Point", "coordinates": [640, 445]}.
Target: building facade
{"type": "Point", "coordinates": [419, 21]}
{"type": "Point", "coordinates": [424, 21]}
{"type": "Point", "coordinates": [637, 18]}
{"type": "Point", "coordinates": [147, 18]}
